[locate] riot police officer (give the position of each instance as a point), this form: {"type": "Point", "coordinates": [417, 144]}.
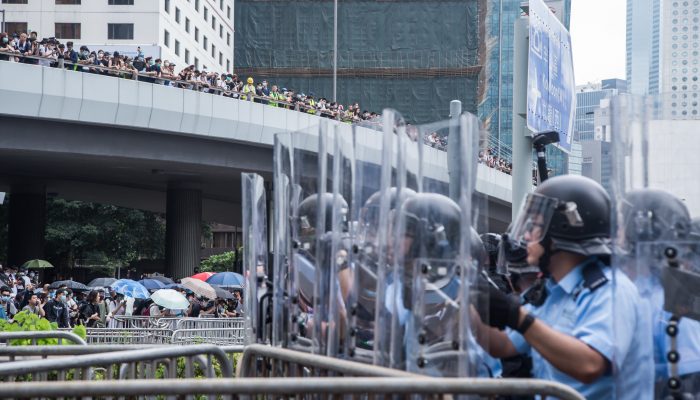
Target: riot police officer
{"type": "Point", "coordinates": [565, 227]}
{"type": "Point", "coordinates": [654, 226]}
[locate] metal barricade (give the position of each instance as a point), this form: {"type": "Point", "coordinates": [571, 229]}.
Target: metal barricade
{"type": "Point", "coordinates": [316, 388]}
{"type": "Point", "coordinates": [272, 362]}
{"type": "Point", "coordinates": [210, 323]}
{"type": "Point", "coordinates": [220, 336]}
{"type": "Point", "coordinates": [128, 336]}
{"type": "Point", "coordinates": [158, 362]}
{"type": "Point", "coordinates": [138, 321]}
{"type": "Point", "coordinates": [33, 336]}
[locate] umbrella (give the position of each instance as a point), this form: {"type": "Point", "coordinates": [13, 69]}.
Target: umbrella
{"type": "Point", "coordinates": [101, 282]}
{"type": "Point", "coordinates": [130, 288]}
{"type": "Point", "coordinates": [174, 286]}
{"type": "Point", "coordinates": [227, 279]}
{"type": "Point", "coordinates": [170, 299]}
{"type": "Point", "coordinates": [222, 293]}
{"type": "Point", "coordinates": [202, 276]}
{"type": "Point", "coordinates": [36, 264]}
{"type": "Point", "coordinates": [161, 278]}
{"type": "Point", "coordinates": [152, 284]}
{"type": "Point", "coordinates": [200, 288]}
{"type": "Point", "coordinates": [70, 284]}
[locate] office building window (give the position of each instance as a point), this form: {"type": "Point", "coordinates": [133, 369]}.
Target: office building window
{"type": "Point", "coordinates": [196, 34]}
{"type": "Point", "coordinates": [221, 5]}
{"type": "Point", "coordinates": [187, 56]}
{"type": "Point", "coordinates": [177, 15]}
{"type": "Point", "coordinates": [121, 2]}
{"type": "Point", "coordinates": [205, 43]}
{"type": "Point", "coordinates": [15, 27]}
{"type": "Point", "coordinates": [228, 12]}
{"type": "Point", "coordinates": [67, 2]}
{"type": "Point", "coordinates": [228, 65]}
{"type": "Point", "coordinates": [167, 6]}
{"type": "Point", "coordinates": [67, 30]}
{"type": "Point", "coordinates": [187, 25]}
{"type": "Point", "coordinates": [196, 5]}
{"type": "Point", "coordinates": [13, 2]}
{"type": "Point", "coordinates": [166, 38]}
{"type": "Point", "coordinates": [221, 59]}
{"type": "Point", "coordinates": [177, 47]}
{"type": "Point", "coordinates": [228, 39]}
{"type": "Point", "coordinates": [221, 31]}
{"type": "Point", "coordinates": [206, 14]}
{"type": "Point", "coordinates": [213, 23]}
{"type": "Point", "coordinates": [213, 51]}
{"type": "Point", "coordinates": [196, 63]}
{"type": "Point", "coordinates": [120, 31]}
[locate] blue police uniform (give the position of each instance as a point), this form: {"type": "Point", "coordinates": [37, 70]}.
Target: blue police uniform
{"type": "Point", "coordinates": [584, 309]}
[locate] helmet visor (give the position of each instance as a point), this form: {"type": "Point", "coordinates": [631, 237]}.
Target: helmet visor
{"type": "Point", "coordinates": [532, 222]}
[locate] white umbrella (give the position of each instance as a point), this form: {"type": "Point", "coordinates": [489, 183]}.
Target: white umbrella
{"type": "Point", "coordinates": [170, 299]}
{"type": "Point", "coordinates": [200, 288]}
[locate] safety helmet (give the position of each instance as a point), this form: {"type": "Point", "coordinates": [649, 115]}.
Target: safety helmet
{"type": "Point", "coordinates": [250, 80]}
{"type": "Point", "coordinates": [566, 213]}
{"type": "Point", "coordinates": [649, 215]}
{"type": "Point", "coordinates": [433, 222]}
{"type": "Point", "coordinates": [308, 212]}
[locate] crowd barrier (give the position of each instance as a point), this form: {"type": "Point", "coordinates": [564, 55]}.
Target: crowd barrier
{"type": "Point", "coordinates": [33, 336]}
{"type": "Point", "coordinates": [150, 363]}
{"type": "Point", "coordinates": [316, 388]}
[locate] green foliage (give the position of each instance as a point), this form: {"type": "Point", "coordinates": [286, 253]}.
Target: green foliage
{"type": "Point", "coordinates": [219, 262]}
{"type": "Point", "coordinates": [110, 235]}
{"type": "Point", "coordinates": [81, 331]}
{"type": "Point", "coordinates": [25, 321]}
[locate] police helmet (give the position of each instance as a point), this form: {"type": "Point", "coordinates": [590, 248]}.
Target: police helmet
{"type": "Point", "coordinates": [572, 213]}
{"type": "Point", "coordinates": [308, 212]}
{"type": "Point", "coordinates": [649, 215]}
{"type": "Point", "coordinates": [433, 222]}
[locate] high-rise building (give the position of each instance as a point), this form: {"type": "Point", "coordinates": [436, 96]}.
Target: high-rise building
{"type": "Point", "coordinates": [680, 60]}
{"type": "Point", "coordinates": [643, 46]}
{"type": "Point", "coordinates": [496, 94]}
{"type": "Point", "coordinates": [396, 54]}
{"type": "Point", "coordinates": [198, 32]}
{"type": "Point", "coordinates": [588, 98]}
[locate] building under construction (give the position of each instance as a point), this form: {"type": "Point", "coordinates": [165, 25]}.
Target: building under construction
{"type": "Point", "coordinates": [414, 56]}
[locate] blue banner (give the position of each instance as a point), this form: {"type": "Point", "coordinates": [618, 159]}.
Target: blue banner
{"type": "Point", "coordinates": [551, 91]}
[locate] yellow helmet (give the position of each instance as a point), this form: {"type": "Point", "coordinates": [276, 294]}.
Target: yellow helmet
{"type": "Point", "coordinates": [250, 80]}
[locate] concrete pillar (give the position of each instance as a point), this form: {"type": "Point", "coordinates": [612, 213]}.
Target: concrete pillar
{"type": "Point", "coordinates": [26, 224]}
{"type": "Point", "coordinates": [183, 230]}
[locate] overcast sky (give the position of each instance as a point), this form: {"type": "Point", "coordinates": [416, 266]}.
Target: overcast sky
{"type": "Point", "coordinates": [598, 39]}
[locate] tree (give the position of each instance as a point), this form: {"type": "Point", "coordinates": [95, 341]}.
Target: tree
{"type": "Point", "coordinates": [219, 262]}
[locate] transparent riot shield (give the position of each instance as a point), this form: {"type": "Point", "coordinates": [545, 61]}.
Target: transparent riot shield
{"type": "Point", "coordinates": [296, 179]}
{"type": "Point", "coordinates": [655, 190]}
{"type": "Point", "coordinates": [258, 304]}
{"type": "Point", "coordinates": [433, 265]}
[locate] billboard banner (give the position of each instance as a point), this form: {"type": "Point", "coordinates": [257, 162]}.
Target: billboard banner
{"type": "Point", "coordinates": [551, 97]}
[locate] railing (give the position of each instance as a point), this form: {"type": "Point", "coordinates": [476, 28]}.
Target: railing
{"type": "Point", "coordinates": [33, 336]}
{"type": "Point", "coordinates": [316, 388]}
{"type": "Point", "coordinates": [130, 364]}
{"type": "Point", "coordinates": [192, 85]}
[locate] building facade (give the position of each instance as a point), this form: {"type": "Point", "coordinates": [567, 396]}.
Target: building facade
{"type": "Point", "coordinates": [393, 54]}
{"type": "Point", "coordinates": [643, 41]}
{"type": "Point", "coordinates": [198, 32]}
{"type": "Point", "coordinates": [680, 59]}
{"type": "Point", "coordinates": [588, 100]}
{"type": "Point", "coordinates": [495, 106]}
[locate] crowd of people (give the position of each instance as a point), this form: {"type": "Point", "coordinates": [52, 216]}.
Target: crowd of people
{"type": "Point", "coordinates": [491, 160]}
{"type": "Point", "coordinates": [96, 307]}
{"type": "Point", "coordinates": [50, 52]}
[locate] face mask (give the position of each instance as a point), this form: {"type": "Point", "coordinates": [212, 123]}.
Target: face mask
{"type": "Point", "coordinates": [167, 65]}
{"type": "Point", "coordinates": [5, 298]}
{"type": "Point", "coordinates": [151, 63]}
{"type": "Point", "coordinates": [5, 40]}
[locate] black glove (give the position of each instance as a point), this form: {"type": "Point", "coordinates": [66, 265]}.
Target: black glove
{"type": "Point", "coordinates": [495, 308]}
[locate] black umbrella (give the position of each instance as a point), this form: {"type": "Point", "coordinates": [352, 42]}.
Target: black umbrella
{"type": "Point", "coordinates": [101, 282]}
{"type": "Point", "coordinates": [164, 279]}
{"type": "Point", "coordinates": [70, 284]}
{"type": "Point", "coordinates": [222, 293]}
